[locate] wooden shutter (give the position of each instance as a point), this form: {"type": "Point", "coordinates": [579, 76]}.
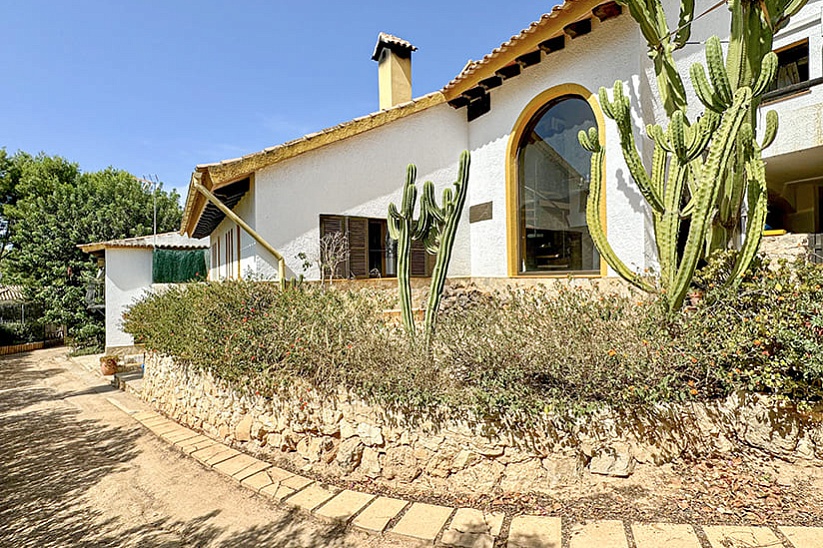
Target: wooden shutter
{"type": "Point", "coordinates": [330, 224]}
{"type": "Point", "coordinates": [421, 264]}
{"type": "Point", "coordinates": [358, 247]}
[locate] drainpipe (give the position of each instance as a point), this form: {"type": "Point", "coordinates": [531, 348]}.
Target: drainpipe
{"type": "Point", "coordinates": [281, 262]}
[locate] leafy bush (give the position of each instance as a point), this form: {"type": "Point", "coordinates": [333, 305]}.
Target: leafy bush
{"type": "Point", "coordinates": [20, 332]}
{"type": "Point", "coordinates": [519, 352]}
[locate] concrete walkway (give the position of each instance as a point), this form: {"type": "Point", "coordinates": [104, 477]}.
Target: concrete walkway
{"type": "Point", "coordinates": [427, 524]}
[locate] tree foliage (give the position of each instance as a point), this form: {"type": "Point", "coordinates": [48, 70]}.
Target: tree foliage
{"type": "Point", "coordinates": [49, 206]}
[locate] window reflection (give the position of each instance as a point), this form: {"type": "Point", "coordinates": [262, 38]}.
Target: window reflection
{"type": "Point", "coordinates": [553, 179]}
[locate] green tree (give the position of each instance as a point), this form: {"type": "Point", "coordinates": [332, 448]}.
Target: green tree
{"type": "Point", "coordinates": [50, 206]}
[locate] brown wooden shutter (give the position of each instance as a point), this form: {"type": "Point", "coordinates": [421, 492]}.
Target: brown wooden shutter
{"type": "Point", "coordinates": [421, 264]}
{"type": "Point", "coordinates": [330, 224]}
{"type": "Point", "coordinates": [358, 247]}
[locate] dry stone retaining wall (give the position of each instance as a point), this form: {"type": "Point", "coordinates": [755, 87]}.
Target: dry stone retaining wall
{"type": "Point", "coordinates": [346, 437]}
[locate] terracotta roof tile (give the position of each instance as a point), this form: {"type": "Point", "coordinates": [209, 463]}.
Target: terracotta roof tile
{"type": "Point", "coordinates": [385, 39]}
{"type": "Point", "coordinates": [473, 66]}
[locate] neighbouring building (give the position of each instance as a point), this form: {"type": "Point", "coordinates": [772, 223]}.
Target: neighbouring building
{"type": "Point", "coordinates": [130, 267]}
{"type": "Point", "coordinates": [518, 111]}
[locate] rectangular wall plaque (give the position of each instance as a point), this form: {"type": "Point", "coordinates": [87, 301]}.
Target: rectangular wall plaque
{"type": "Point", "coordinates": [480, 212]}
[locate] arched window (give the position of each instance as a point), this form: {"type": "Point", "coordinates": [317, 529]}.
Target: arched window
{"type": "Point", "coordinates": [552, 176]}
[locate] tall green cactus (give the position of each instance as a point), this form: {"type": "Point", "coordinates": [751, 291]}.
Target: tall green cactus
{"type": "Point", "coordinates": [404, 228]}
{"type": "Point", "coordinates": [436, 228]}
{"type": "Point", "coordinates": [440, 239]}
{"type": "Point", "coordinates": [701, 172]}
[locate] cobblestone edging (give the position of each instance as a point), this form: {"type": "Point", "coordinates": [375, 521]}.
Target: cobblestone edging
{"type": "Point", "coordinates": [447, 526]}
{"type": "Point", "coordinates": [347, 438]}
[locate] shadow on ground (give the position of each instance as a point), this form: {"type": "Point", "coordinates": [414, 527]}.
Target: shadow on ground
{"type": "Point", "coordinates": [50, 457]}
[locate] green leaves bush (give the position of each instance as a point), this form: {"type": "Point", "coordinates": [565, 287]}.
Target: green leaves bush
{"type": "Point", "coordinates": [517, 353]}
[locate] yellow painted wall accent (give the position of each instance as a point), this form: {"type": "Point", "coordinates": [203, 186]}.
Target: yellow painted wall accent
{"type": "Point", "coordinates": [512, 213]}
{"type": "Point", "coordinates": [214, 176]}
{"type": "Point", "coordinates": [394, 79]}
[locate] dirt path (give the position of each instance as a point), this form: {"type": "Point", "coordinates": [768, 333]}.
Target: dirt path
{"type": "Point", "coordinates": [75, 471]}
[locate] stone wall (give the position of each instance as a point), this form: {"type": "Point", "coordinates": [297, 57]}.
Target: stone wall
{"type": "Point", "coordinates": [785, 246]}
{"type": "Point", "coordinates": [345, 437]}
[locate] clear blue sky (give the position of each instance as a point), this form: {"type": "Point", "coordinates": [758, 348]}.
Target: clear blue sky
{"type": "Point", "coordinates": [156, 87]}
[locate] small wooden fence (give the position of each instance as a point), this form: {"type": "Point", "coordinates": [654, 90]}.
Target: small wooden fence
{"type": "Point", "coordinates": [28, 347]}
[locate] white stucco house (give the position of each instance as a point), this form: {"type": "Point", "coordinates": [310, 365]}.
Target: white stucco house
{"type": "Point", "coordinates": [518, 111]}
{"type": "Point", "coordinates": [127, 271]}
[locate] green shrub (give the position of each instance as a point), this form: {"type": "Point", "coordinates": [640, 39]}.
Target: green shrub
{"type": "Point", "coordinates": [514, 353]}
{"type": "Point", "coordinates": [20, 332]}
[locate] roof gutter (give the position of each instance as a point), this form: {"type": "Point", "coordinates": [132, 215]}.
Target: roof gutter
{"type": "Point", "coordinates": [281, 262]}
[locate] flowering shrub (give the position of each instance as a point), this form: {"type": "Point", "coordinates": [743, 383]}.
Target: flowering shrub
{"type": "Point", "coordinates": [519, 352]}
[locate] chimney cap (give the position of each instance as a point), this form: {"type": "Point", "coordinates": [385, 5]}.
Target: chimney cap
{"type": "Point", "coordinates": [397, 45]}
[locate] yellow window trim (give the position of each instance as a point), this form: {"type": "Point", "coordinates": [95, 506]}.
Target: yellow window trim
{"type": "Point", "coordinates": [512, 213]}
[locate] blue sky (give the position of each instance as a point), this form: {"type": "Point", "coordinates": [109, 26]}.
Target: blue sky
{"type": "Point", "coordinates": [156, 87]}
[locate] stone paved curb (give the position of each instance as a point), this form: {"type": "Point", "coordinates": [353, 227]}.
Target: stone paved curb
{"type": "Point", "coordinates": [445, 526]}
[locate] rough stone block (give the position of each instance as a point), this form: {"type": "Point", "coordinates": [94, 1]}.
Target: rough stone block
{"type": "Point", "coordinates": [615, 460]}
{"type": "Point", "coordinates": [534, 532]}
{"type": "Point", "coordinates": [242, 432]}
{"type": "Point", "coordinates": [522, 477]}
{"type": "Point", "coordinates": [370, 463]}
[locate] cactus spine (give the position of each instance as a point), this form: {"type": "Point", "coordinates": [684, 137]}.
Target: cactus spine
{"type": "Point", "coordinates": [702, 171]}
{"type": "Point", "coordinates": [436, 228]}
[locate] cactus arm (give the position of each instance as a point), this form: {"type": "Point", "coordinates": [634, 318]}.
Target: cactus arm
{"type": "Point", "coordinates": [790, 9]}
{"type": "Point", "coordinates": [659, 160]}
{"type": "Point", "coordinates": [649, 23]}
{"type": "Point", "coordinates": [703, 90]}
{"type": "Point", "coordinates": [670, 223]}
{"type": "Point", "coordinates": [669, 84]}
{"type": "Point", "coordinates": [768, 70]}
{"type": "Point", "coordinates": [619, 111]}
{"type": "Point", "coordinates": [771, 129]}
{"type": "Point", "coordinates": [590, 142]}
{"type": "Point", "coordinates": [684, 24]}
{"type": "Point", "coordinates": [401, 227]}
{"type": "Point", "coordinates": [758, 210]}
{"type": "Point", "coordinates": [719, 154]}
{"type": "Point", "coordinates": [452, 209]}
{"type": "Point", "coordinates": [717, 71]}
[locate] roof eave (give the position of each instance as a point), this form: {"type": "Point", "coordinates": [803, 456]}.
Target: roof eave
{"type": "Point", "coordinates": [528, 40]}
{"type": "Point", "coordinates": [214, 176]}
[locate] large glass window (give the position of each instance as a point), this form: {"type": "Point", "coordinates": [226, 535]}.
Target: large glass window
{"type": "Point", "coordinates": [553, 183]}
